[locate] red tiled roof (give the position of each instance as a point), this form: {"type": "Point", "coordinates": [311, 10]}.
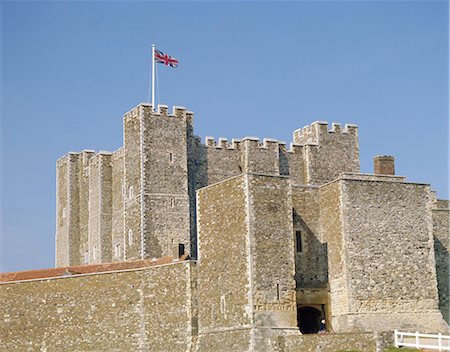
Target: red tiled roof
{"type": "Point", "coordinates": [85, 269]}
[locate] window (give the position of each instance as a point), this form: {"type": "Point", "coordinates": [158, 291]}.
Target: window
{"type": "Point", "coordinates": [180, 249]}
{"type": "Point", "coordinates": [130, 237]}
{"type": "Point", "coordinates": [298, 241]}
{"type": "Point", "coordinates": [130, 192]}
{"type": "Point", "coordinates": [94, 253]}
{"type": "Point", "coordinates": [117, 250]}
{"type": "Point", "coordinates": [171, 157]}
{"type": "Point", "coordinates": [172, 202]}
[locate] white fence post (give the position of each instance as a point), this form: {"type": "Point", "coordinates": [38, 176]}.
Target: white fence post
{"type": "Point", "coordinates": [437, 342]}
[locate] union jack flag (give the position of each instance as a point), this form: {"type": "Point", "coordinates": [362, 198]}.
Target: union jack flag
{"type": "Point", "coordinates": [165, 59]}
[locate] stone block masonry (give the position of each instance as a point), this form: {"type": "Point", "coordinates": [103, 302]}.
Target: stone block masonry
{"type": "Point", "coordinates": [382, 265]}
{"type": "Point", "coordinates": [142, 309]}
{"type": "Point", "coordinates": [246, 258]}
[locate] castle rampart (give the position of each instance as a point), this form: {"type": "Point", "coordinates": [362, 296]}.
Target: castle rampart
{"type": "Point", "coordinates": [145, 308]}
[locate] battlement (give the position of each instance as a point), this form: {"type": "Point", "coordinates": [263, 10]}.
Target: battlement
{"type": "Point", "coordinates": [252, 142]}
{"type": "Point", "coordinates": [161, 110]}
{"type": "Point", "coordinates": [222, 143]}
{"type": "Point", "coordinates": [319, 131]}
{"type": "Point", "coordinates": [85, 154]}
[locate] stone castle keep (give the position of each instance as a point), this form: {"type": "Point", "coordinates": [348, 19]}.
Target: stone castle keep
{"type": "Point", "coordinates": [169, 244]}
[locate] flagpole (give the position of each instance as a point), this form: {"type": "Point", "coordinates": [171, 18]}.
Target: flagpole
{"type": "Point", "coordinates": [153, 77]}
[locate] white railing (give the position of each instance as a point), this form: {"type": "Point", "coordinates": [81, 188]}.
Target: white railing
{"type": "Point", "coordinates": [437, 342]}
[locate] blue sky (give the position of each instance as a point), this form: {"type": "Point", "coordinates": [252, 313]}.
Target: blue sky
{"type": "Point", "coordinates": [71, 69]}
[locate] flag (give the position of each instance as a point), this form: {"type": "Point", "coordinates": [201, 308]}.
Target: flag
{"type": "Point", "coordinates": [165, 59]}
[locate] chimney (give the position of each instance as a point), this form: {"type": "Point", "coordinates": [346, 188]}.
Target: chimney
{"type": "Point", "coordinates": [383, 165]}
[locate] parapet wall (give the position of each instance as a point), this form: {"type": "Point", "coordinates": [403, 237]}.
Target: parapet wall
{"type": "Point", "coordinates": [145, 309]}
{"type": "Point", "coordinates": [218, 160]}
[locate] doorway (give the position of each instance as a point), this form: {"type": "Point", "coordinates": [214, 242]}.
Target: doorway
{"type": "Point", "coordinates": [308, 319]}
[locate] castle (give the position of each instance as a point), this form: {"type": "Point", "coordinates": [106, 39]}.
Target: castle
{"type": "Point", "coordinates": [169, 244]}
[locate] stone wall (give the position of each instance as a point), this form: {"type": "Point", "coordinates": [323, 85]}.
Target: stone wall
{"type": "Point", "coordinates": [246, 263]}
{"type": "Point", "coordinates": [271, 236]}
{"type": "Point", "coordinates": [311, 261]}
{"type": "Point", "coordinates": [132, 193]}
{"type": "Point", "coordinates": [67, 210]}
{"type": "Point", "coordinates": [364, 342]}
{"type": "Point", "coordinates": [83, 177]}
{"type": "Point", "coordinates": [100, 208]}
{"type": "Point", "coordinates": [165, 210]}
{"type": "Point", "coordinates": [387, 257]}
{"type": "Point", "coordinates": [441, 233]}
{"type": "Point", "coordinates": [120, 239]}
{"type": "Point", "coordinates": [147, 309]}
{"type": "Point", "coordinates": [330, 229]}
{"type": "Point", "coordinates": [224, 287]}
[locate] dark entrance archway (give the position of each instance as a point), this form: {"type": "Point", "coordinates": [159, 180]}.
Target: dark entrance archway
{"type": "Point", "coordinates": [308, 319]}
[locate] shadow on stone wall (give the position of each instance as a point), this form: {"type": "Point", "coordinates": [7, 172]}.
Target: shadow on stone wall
{"type": "Point", "coordinates": [442, 273]}
{"type": "Point", "coordinates": [311, 267]}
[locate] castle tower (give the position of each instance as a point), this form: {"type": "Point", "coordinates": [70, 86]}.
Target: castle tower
{"type": "Point", "coordinates": [156, 181]}
{"type": "Point", "coordinates": [328, 153]}
{"type": "Point", "coordinates": [67, 210]}
{"type": "Point", "coordinates": [246, 287]}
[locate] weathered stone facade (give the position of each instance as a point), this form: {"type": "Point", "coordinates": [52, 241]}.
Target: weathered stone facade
{"type": "Point", "coordinates": [144, 309]}
{"type": "Point", "coordinates": [279, 238]}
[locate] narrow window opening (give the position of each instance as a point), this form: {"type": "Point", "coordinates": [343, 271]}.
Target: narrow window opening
{"type": "Point", "coordinates": [172, 202]}
{"type": "Point", "coordinates": [180, 249]}
{"type": "Point", "coordinates": [94, 253]}
{"type": "Point", "coordinates": [171, 157]}
{"type": "Point", "coordinates": [117, 250]}
{"type": "Point", "coordinates": [130, 192]}
{"type": "Point", "coordinates": [130, 237]}
{"type": "Point", "coordinates": [298, 240]}
{"type": "Point", "coordinates": [278, 292]}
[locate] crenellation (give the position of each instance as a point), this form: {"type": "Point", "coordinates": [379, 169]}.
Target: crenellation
{"type": "Point", "coordinates": [335, 128]}
{"type": "Point", "coordinates": [210, 141]}
{"type": "Point", "coordinates": [162, 109]}
{"type": "Point", "coordinates": [350, 129]}
{"type": "Point", "coordinates": [223, 143]}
